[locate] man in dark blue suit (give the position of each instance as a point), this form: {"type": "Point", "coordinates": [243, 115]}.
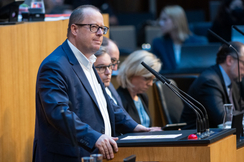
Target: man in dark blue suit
{"type": "Point", "coordinates": [217, 86]}
{"type": "Point", "coordinates": [67, 80]}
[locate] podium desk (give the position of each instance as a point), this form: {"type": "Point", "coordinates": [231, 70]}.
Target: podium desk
{"type": "Point", "coordinates": [240, 150]}
{"type": "Point", "coordinates": [220, 149]}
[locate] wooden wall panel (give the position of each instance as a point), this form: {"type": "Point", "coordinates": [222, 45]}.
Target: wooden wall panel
{"type": "Point", "coordinates": [22, 49]}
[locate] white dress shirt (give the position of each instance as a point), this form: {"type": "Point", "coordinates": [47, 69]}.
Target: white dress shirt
{"type": "Point", "coordinates": [86, 65]}
{"type": "Point", "coordinates": [110, 95]}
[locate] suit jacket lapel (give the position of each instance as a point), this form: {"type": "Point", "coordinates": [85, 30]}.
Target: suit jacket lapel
{"type": "Point", "coordinates": [115, 94]}
{"type": "Point", "coordinates": [79, 71]}
{"type": "Point", "coordinates": [131, 104]}
{"type": "Point", "coordinates": [216, 68]}
{"type": "Point", "coordinates": [109, 106]}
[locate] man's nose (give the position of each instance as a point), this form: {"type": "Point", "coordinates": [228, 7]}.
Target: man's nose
{"type": "Point", "coordinates": [108, 71]}
{"type": "Point", "coordinates": [99, 32]}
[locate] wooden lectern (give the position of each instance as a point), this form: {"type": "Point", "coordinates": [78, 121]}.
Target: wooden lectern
{"type": "Point", "coordinates": [222, 150]}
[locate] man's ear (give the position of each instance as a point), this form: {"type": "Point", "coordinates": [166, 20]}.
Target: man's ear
{"type": "Point", "coordinates": [74, 29]}
{"type": "Point", "coordinates": [229, 60]}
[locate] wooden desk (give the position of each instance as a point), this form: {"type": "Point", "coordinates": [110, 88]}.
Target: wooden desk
{"type": "Point", "coordinates": [220, 151]}
{"type": "Point", "coordinates": [240, 154]}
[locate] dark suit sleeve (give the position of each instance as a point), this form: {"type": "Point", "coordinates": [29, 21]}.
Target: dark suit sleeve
{"type": "Point", "coordinates": [53, 96]}
{"type": "Point", "coordinates": [123, 121]}
{"type": "Point", "coordinates": [211, 97]}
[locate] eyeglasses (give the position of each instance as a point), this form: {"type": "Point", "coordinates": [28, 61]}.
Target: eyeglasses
{"type": "Point", "coordinates": [102, 69]}
{"type": "Point", "coordinates": [242, 62]}
{"type": "Point", "coordinates": [149, 79]}
{"type": "Point", "coordinates": [115, 62]}
{"type": "Point", "coordinates": [94, 28]}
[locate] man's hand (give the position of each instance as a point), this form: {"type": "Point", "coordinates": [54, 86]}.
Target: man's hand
{"type": "Point", "coordinates": [107, 146]}
{"type": "Point", "coordinates": [153, 129]}
{"type": "Point", "coordinates": [141, 128]}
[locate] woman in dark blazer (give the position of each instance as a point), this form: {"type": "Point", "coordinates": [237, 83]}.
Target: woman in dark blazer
{"type": "Point", "coordinates": [175, 33]}
{"type": "Point", "coordinates": [134, 80]}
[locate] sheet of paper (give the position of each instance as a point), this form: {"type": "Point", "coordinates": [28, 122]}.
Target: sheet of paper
{"type": "Point", "coordinates": [152, 137]}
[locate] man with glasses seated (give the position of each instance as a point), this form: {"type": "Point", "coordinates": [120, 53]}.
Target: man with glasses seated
{"type": "Point", "coordinates": [113, 51]}
{"type": "Point", "coordinates": [104, 68]}
{"type": "Point", "coordinates": [217, 86]}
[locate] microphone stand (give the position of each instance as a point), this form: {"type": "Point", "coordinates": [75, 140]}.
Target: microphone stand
{"type": "Point", "coordinates": [237, 29]}
{"type": "Point", "coordinates": [237, 55]}
{"type": "Point", "coordinates": [240, 78]}
{"type": "Point", "coordinates": [205, 119]}
{"type": "Point", "coordinates": [199, 121]}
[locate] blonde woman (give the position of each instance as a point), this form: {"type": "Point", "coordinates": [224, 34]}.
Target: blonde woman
{"type": "Point", "coordinates": [175, 33]}
{"type": "Point", "coordinates": [134, 80]}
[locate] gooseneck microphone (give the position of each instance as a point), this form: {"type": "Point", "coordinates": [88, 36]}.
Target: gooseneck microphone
{"type": "Point", "coordinates": [205, 119]}
{"type": "Point", "coordinates": [237, 29]}
{"type": "Point", "coordinates": [237, 55]}
{"type": "Point", "coordinates": [199, 122]}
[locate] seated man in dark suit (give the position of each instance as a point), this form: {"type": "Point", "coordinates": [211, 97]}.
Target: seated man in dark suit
{"type": "Point", "coordinates": [67, 81]}
{"type": "Point", "coordinates": [113, 51]}
{"type": "Point", "coordinates": [104, 68]}
{"type": "Point", "coordinates": [217, 86]}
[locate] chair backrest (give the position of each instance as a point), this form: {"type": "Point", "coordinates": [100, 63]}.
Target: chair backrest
{"type": "Point", "coordinates": [201, 28]}
{"type": "Point", "coordinates": [124, 36]}
{"type": "Point", "coordinates": [169, 104]}
{"type": "Point", "coordinates": [152, 32]}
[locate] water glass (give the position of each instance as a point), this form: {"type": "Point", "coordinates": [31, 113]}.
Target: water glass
{"type": "Point", "coordinates": [228, 115]}
{"type": "Point", "coordinates": [87, 159]}
{"type": "Point", "coordinates": [97, 157]}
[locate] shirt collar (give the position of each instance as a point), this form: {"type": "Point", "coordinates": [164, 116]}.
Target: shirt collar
{"type": "Point", "coordinates": [81, 57]}
{"type": "Point", "coordinates": [225, 76]}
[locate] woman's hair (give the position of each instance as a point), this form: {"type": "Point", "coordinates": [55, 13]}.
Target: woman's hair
{"type": "Point", "coordinates": [131, 66]}
{"type": "Point", "coordinates": [225, 50]}
{"type": "Point", "coordinates": [178, 17]}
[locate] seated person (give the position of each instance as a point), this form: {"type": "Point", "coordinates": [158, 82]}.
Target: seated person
{"type": "Point", "coordinates": [134, 80]}
{"type": "Point", "coordinates": [230, 12]}
{"type": "Point", "coordinates": [175, 33]}
{"type": "Point", "coordinates": [113, 51]}
{"type": "Point", "coordinates": [216, 86]}
{"type": "Point", "coordinates": [104, 68]}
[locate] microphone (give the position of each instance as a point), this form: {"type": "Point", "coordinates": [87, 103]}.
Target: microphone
{"type": "Point", "coordinates": [237, 55]}
{"type": "Point", "coordinates": [219, 38]}
{"type": "Point", "coordinates": [199, 120]}
{"type": "Point", "coordinates": [205, 120]}
{"type": "Point", "coordinates": [237, 29]}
